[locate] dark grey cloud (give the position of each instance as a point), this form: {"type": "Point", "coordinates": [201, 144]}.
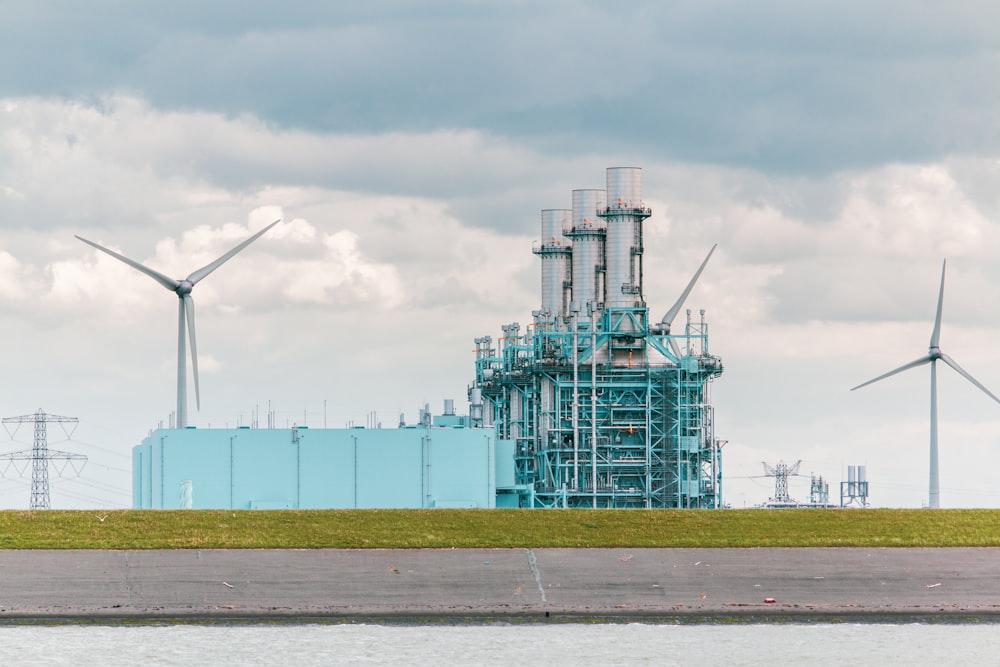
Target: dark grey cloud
{"type": "Point", "coordinates": [778, 86]}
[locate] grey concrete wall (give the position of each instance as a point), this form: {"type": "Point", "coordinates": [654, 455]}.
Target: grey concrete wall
{"type": "Point", "coordinates": [471, 584]}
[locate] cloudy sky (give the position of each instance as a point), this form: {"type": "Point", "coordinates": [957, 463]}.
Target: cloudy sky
{"type": "Point", "coordinates": [836, 151]}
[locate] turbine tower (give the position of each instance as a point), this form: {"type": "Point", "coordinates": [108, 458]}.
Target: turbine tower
{"type": "Point", "coordinates": [185, 311]}
{"type": "Point", "coordinates": [933, 354]}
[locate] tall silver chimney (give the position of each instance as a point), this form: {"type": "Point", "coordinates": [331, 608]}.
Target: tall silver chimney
{"type": "Point", "coordinates": [588, 233]}
{"type": "Point", "coordinates": [555, 251]}
{"type": "Point", "coordinates": [623, 215]}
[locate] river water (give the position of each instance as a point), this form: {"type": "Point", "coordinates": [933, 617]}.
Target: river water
{"type": "Point", "coordinates": [503, 644]}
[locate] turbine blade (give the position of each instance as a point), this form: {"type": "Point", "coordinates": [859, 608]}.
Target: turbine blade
{"type": "Point", "coordinates": [961, 371]}
{"type": "Point", "coordinates": [675, 347]}
{"type": "Point", "coordinates": [169, 283]}
{"type": "Point", "coordinates": [905, 367]}
{"type": "Point", "coordinates": [189, 308]}
{"type": "Point", "coordinates": [936, 335]}
{"type": "Point", "coordinates": [205, 270]}
{"type": "Point", "coordinates": [672, 313]}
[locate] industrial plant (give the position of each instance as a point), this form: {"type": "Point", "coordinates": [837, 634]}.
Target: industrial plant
{"type": "Point", "coordinates": [605, 407]}
{"type": "Point", "coordinates": [592, 404]}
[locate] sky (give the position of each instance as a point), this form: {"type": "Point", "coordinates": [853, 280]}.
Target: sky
{"type": "Point", "coordinates": [838, 153]}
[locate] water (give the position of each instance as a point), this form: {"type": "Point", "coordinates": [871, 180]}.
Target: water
{"type": "Point", "coordinates": [502, 644]}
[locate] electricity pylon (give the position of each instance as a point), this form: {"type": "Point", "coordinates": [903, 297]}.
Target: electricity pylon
{"type": "Point", "coordinates": [40, 455]}
{"type": "Point", "coordinates": [781, 472]}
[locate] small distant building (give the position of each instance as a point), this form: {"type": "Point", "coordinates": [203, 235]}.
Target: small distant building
{"type": "Point", "coordinates": [441, 464]}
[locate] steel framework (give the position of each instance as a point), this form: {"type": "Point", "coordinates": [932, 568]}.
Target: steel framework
{"type": "Point", "coordinates": [855, 490]}
{"type": "Point", "coordinates": [40, 456]}
{"type": "Point", "coordinates": [592, 433]}
{"type": "Point", "coordinates": [604, 408]}
{"type": "Point", "coordinates": [781, 471]}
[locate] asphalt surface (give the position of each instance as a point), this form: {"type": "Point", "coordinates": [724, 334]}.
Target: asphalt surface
{"type": "Point", "coordinates": [488, 585]}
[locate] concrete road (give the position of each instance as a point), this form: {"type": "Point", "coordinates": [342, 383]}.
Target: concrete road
{"type": "Point", "coordinates": [474, 585]}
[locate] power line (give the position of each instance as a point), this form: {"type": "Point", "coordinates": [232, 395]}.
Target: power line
{"type": "Point", "coordinates": [100, 486]}
{"type": "Point", "coordinates": [106, 450]}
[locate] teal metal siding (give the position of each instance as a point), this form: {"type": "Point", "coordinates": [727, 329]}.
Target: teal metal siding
{"type": "Point", "coordinates": [328, 473]}
{"type": "Point", "coordinates": [320, 468]}
{"type": "Point", "coordinates": [390, 468]}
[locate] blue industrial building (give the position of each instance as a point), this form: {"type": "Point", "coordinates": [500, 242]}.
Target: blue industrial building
{"type": "Point", "coordinates": [302, 468]}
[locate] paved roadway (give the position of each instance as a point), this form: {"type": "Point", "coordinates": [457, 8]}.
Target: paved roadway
{"type": "Point", "coordinates": [478, 585]}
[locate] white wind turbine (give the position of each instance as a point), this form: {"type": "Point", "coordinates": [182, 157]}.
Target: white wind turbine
{"type": "Point", "coordinates": [933, 354]}
{"type": "Point", "coordinates": [185, 311]}
{"type": "Point", "coordinates": [668, 319]}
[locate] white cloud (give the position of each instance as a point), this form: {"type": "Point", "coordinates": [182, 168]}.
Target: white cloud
{"type": "Point", "coordinates": [913, 210]}
{"type": "Point", "coordinates": [14, 278]}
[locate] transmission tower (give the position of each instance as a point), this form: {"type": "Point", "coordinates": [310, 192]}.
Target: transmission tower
{"type": "Point", "coordinates": [40, 455]}
{"type": "Point", "coordinates": [781, 472]}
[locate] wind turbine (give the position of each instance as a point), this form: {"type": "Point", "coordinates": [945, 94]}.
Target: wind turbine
{"type": "Point", "coordinates": [185, 311]}
{"type": "Point", "coordinates": [668, 319]}
{"type": "Point", "coordinates": [933, 354]}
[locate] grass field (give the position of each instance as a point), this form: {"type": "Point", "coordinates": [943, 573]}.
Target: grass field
{"type": "Point", "coordinates": [444, 528]}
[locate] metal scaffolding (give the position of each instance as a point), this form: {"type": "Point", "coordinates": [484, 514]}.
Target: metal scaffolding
{"type": "Point", "coordinates": [591, 433]}
{"type": "Point", "coordinates": [605, 408]}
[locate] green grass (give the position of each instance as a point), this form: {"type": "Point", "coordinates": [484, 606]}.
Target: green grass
{"type": "Point", "coordinates": [444, 528]}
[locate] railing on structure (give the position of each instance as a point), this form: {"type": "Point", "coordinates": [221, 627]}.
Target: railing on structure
{"type": "Point", "coordinates": [643, 435]}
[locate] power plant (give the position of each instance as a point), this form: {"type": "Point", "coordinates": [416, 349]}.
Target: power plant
{"type": "Point", "coordinates": [592, 405]}
{"type": "Point", "coordinates": [605, 407]}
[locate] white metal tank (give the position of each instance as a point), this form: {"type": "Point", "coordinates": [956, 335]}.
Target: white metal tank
{"type": "Point", "coordinates": [476, 407]}
{"type": "Point", "coordinates": [587, 234]}
{"type": "Point", "coordinates": [624, 186]}
{"type": "Point", "coordinates": [555, 222]}
{"type": "Point", "coordinates": [623, 217]}
{"type": "Point", "coordinates": [555, 251]}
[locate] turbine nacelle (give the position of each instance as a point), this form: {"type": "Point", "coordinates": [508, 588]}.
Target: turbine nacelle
{"type": "Point", "coordinates": [661, 328]}
{"type": "Point", "coordinates": [184, 288]}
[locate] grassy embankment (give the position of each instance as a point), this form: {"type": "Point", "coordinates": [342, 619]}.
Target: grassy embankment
{"type": "Point", "coordinates": [444, 528]}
